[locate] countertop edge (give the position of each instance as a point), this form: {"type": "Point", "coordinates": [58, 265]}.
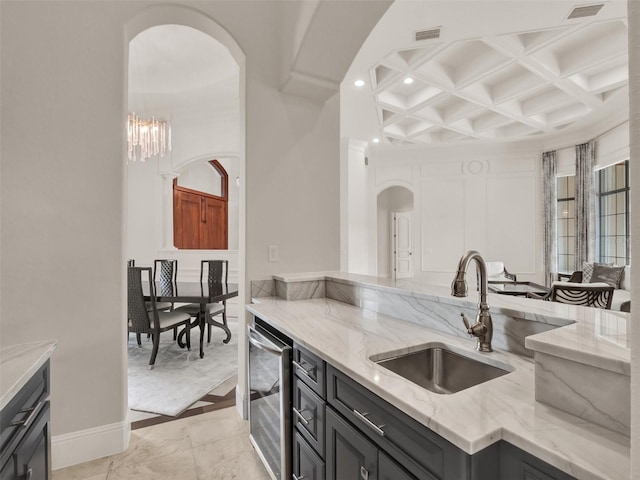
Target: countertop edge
{"type": "Point", "coordinates": [18, 363]}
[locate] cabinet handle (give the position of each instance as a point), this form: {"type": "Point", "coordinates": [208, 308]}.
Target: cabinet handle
{"type": "Point", "coordinates": [295, 477]}
{"type": "Point", "coordinates": [298, 414]}
{"type": "Point", "coordinates": [203, 210]}
{"type": "Point", "coordinates": [27, 421]}
{"type": "Point", "coordinates": [363, 473]}
{"type": "Point", "coordinates": [307, 370]}
{"type": "Point", "coordinates": [376, 428]}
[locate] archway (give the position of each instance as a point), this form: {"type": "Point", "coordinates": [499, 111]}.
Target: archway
{"type": "Point", "coordinates": [187, 149]}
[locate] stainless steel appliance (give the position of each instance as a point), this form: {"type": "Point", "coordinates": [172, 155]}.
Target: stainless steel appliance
{"type": "Point", "coordinates": [270, 398]}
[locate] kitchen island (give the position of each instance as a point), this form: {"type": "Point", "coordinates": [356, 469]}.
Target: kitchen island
{"type": "Point", "coordinates": [347, 336]}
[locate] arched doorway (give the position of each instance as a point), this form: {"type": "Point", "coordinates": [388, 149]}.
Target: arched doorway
{"type": "Point", "coordinates": [191, 140]}
{"type": "Point", "coordinates": [395, 232]}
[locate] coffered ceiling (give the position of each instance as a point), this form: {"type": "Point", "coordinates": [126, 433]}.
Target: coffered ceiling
{"type": "Point", "coordinates": [494, 83]}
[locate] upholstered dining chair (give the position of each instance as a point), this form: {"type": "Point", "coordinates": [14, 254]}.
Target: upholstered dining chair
{"type": "Point", "coordinates": [598, 295]}
{"type": "Point", "coordinates": [141, 320]}
{"type": "Point", "coordinates": [216, 272]}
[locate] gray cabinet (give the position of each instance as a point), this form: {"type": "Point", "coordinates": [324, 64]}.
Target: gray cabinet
{"type": "Point", "coordinates": [308, 415]}
{"type": "Point", "coordinates": [24, 434]}
{"type": "Point", "coordinates": [344, 431]}
{"type": "Point", "coordinates": [350, 455]}
{"type": "Point", "coordinates": [516, 464]}
{"type": "Point", "coordinates": [307, 464]}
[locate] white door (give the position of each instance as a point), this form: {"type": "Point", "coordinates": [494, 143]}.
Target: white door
{"type": "Point", "coordinates": [402, 258]}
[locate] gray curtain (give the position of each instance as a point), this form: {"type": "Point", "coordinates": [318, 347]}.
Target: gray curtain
{"type": "Point", "coordinates": [585, 204]}
{"type": "Point", "coordinates": [550, 254]}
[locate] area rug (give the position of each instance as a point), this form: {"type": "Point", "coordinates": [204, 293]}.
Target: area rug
{"type": "Point", "coordinates": [180, 377]}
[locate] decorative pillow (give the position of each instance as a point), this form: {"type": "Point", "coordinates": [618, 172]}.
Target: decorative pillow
{"type": "Point", "coordinates": [587, 271]}
{"type": "Point", "coordinates": [607, 274]}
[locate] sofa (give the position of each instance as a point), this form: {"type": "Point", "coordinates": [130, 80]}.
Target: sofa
{"type": "Point", "coordinates": [616, 276]}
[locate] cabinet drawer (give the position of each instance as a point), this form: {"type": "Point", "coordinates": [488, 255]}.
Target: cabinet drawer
{"type": "Point", "coordinates": [309, 368]}
{"type": "Point", "coordinates": [307, 464]}
{"type": "Point", "coordinates": [21, 411]}
{"type": "Point", "coordinates": [308, 415]}
{"type": "Point", "coordinates": [408, 442]}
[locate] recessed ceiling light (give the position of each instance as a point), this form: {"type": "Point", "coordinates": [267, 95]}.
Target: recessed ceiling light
{"type": "Point", "coordinates": [359, 83]}
{"type": "Point", "coordinates": [408, 81]}
{"type": "Point", "coordinates": [376, 140]}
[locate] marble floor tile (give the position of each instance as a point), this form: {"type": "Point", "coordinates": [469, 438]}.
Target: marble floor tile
{"type": "Point", "coordinates": [94, 470]}
{"type": "Point", "coordinates": [168, 467]}
{"type": "Point", "coordinates": [208, 446]}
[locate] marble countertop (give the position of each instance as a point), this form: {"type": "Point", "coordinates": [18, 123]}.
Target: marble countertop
{"type": "Point", "coordinates": [503, 408]}
{"type": "Point", "coordinates": [552, 313]}
{"type": "Point", "coordinates": [18, 363]}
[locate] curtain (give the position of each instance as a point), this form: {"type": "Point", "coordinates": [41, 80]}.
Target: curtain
{"type": "Point", "coordinates": [585, 204]}
{"type": "Point", "coordinates": [550, 256]}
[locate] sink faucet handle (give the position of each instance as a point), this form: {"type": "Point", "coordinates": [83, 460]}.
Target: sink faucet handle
{"type": "Point", "coordinates": [466, 324]}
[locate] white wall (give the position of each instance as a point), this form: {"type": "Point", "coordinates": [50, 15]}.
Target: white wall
{"type": "Point", "coordinates": [486, 198]}
{"type": "Point", "coordinates": [63, 184]}
{"type": "Point", "coordinates": [464, 198]}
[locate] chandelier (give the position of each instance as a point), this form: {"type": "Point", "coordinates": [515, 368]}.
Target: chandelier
{"type": "Point", "coordinates": [146, 138]}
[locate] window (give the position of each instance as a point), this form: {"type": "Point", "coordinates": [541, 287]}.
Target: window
{"type": "Point", "coordinates": [612, 184]}
{"type": "Point", "coordinates": [566, 227]}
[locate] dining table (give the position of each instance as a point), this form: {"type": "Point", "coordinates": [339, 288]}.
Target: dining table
{"type": "Point", "coordinates": [195, 292]}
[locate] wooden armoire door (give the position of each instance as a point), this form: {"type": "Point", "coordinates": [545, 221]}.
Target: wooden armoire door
{"type": "Point", "coordinates": [186, 219]}
{"type": "Point", "coordinates": [200, 220]}
{"type": "Point", "coordinates": [213, 228]}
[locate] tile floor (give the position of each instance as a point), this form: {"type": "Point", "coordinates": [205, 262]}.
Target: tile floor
{"type": "Point", "coordinates": [209, 446]}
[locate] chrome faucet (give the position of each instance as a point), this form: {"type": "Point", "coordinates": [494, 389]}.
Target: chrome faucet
{"type": "Point", "coordinates": [483, 326]}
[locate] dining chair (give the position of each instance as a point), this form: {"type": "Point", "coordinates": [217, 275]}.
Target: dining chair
{"type": "Point", "coordinates": [165, 273]}
{"type": "Point", "coordinates": [597, 295]}
{"type": "Point", "coordinates": [217, 272]}
{"type": "Point", "coordinates": [141, 320]}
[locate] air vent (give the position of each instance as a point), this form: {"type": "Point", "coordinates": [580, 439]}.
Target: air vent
{"type": "Point", "coordinates": [427, 34]}
{"type": "Point", "coordinates": [585, 11]}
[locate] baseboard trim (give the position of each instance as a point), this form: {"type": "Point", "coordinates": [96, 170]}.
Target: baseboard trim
{"type": "Point", "coordinates": [90, 444]}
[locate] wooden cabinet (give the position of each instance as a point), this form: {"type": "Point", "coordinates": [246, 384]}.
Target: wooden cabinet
{"type": "Point", "coordinates": [25, 437]}
{"type": "Point", "coordinates": [200, 220]}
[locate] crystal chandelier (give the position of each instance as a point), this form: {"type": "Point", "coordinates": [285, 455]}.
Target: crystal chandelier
{"type": "Point", "coordinates": [146, 138]}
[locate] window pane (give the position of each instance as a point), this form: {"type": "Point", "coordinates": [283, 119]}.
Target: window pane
{"type": "Point", "coordinates": [621, 202]}
{"type": "Point", "coordinates": [562, 227]}
{"type": "Point", "coordinates": [620, 176]}
{"type": "Point", "coordinates": [621, 249]}
{"type": "Point", "coordinates": [571, 190]}
{"type": "Point", "coordinates": [621, 224]}
{"type": "Point", "coordinates": [561, 185]}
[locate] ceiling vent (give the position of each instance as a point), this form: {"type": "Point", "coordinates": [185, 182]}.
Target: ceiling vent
{"type": "Point", "coordinates": [430, 34]}
{"type": "Point", "coordinates": [585, 11]}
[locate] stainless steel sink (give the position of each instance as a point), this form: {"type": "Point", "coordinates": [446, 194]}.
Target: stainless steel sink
{"type": "Point", "coordinates": [440, 369]}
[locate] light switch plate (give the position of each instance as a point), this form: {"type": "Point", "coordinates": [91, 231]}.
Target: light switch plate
{"type": "Point", "coordinates": [274, 253]}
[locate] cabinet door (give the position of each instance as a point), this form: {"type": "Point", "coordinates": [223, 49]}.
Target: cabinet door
{"type": "Point", "coordinates": [213, 225]}
{"type": "Point", "coordinates": [350, 455]}
{"type": "Point", "coordinates": [516, 464]}
{"type": "Point", "coordinates": [306, 464]}
{"type": "Point", "coordinates": [186, 219]}
{"type": "Point", "coordinates": [30, 460]}
{"type": "Point", "coordinates": [390, 470]}
{"type": "Point", "coordinates": [308, 415]}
